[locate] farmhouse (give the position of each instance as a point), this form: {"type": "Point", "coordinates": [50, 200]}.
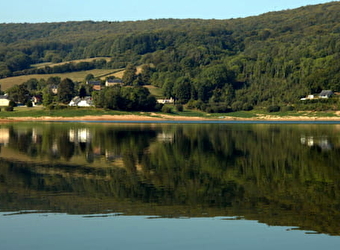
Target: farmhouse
{"type": "Point", "coordinates": [96, 85]}
{"type": "Point", "coordinates": [164, 101]}
{"type": "Point", "coordinates": [112, 82]}
{"type": "Point", "coordinates": [326, 94]}
{"type": "Point", "coordinates": [4, 101]}
{"type": "Point", "coordinates": [36, 100]}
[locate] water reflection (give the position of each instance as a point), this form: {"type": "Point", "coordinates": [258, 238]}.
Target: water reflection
{"type": "Point", "coordinates": [277, 174]}
{"type": "Point", "coordinates": [323, 142]}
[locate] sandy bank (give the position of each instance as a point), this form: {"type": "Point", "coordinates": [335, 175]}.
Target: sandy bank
{"type": "Point", "coordinates": [163, 117]}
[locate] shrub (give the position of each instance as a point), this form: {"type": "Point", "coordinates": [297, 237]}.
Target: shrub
{"type": "Point", "coordinates": [58, 107]}
{"type": "Point", "coordinates": [247, 107]}
{"type": "Point", "coordinates": [158, 106]}
{"type": "Point", "coordinates": [237, 106]}
{"type": "Point", "coordinates": [220, 108]}
{"type": "Point", "coordinates": [12, 103]}
{"type": "Point", "coordinates": [274, 108]}
{"type": "Point", "coordinates": [288, 108]}
{"type": "Point", "coordinates": [200, 105]}
{"type": "Point", "coordinates": [50, 106]}
{"type": "Point", "coordinates": [209, 110]}
{"type": "Point", "coordinates": [179, 107]}
{"type": "Point", "coordinates": [29, 104]}
{"type": "Point", "coordinates": [191, 104]}
{"type": "Point", "coordinates": [9, 108]}
{"type": "Point", "coordinates": [55, 106]}
{"type": "Point", "coordinates": [166, 109]}
{"type": "Point", "coordinates": [203, 107]}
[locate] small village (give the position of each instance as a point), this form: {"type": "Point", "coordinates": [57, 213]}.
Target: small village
{"type": "Point", "coordinates": [76, 101]}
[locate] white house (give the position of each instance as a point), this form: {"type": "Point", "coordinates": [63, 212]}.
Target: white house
{"type": "Point", "coordinates": [326, 94]}
{"type": "Point", "coordinates": [81, 102]}
{"type": "Point", "coordinates": [163, 101]}
{"type": "Point", "coordinates": [4, 101]}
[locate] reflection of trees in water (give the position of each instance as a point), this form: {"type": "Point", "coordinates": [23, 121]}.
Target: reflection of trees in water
{"type": "Point", "coordinates": [65, 146]}
{"type": "Point", "coordinates": [54, 142]}
{"type": "Point", "coordinates": [261, 169]}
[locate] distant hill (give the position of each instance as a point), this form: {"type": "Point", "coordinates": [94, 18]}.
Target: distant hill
{"type": "Point", "coordinates": [272, 59]}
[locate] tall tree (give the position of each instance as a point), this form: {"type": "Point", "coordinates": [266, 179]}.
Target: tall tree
{"type": "Point", "coordinates": [145, 74]}
{"type": "Point", "coordinates": [82, 91]}
{"type": "Point", "coordinates": [66, 91]}
{"type": "Point", "coordinates": [129, 75]}
{"type": "Point", "coordinates": [53, 80]}
{"type": "Point", "coordinates": [47, 97]}
{"type": "Point", "coordinates": [89, 77]}
{"type": "Point", "coordinates": [19, 93]}
{"type": "Point", "coordinates": [183, 89]}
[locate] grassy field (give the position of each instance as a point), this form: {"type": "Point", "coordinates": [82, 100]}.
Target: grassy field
{"type": "Point", "coordinates": [50, 64]}
{"type": "Point", "coordinates": [157, 92]}
{"type": "Point", "coordinates": [79, 76]}
{"type": "Point", "coordinates": [40, 111]}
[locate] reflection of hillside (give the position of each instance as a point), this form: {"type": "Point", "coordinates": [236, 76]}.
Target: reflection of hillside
{"type": "Point", "coordinates": [259, 172]}
{"type": "Point", "coordinates": [99, 161]}
{"type": "Point", "coordinates": [73, 144]}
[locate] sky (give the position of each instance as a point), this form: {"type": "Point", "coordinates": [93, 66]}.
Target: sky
{"type": "Point", "coordinates": [37, 11]}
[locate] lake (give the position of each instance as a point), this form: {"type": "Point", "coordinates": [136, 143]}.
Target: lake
{"type": "Point", "coordinates": [169, 186]}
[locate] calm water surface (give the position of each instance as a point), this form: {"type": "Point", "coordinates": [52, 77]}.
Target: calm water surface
{"type": "Point", "coordinates": [169, 186]}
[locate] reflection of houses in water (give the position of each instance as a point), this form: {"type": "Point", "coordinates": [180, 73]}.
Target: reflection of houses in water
{"type": "Point", "coordinates": [165, 137]}
{"type": "Point", "coordinates": [99, 152]}
{"type": "Point", "coordinates": [307, 140]}
{"type": "Point", "coordinates": [111, 156]}
{"type": "Point", "coordinates": [80, 135]}
{"type": "Point", "coordinates": [4, 136]}
{"type": "Point", "coordinates": [36, 135]}
{"type": "Point", "coordinates": [325, 144]}
{"type": "Point", "coordinates": [321, 142]}
{"type": "Point", "coordinates": [54, 148]}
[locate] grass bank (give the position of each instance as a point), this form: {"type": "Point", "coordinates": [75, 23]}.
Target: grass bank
{"type": "Point", "coordinates": [69, 112]}
{"type": "Point", "coordinates": [40, 112]}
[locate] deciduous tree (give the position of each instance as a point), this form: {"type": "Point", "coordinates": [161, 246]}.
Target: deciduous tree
{"type": "Point", "coordinates": [66, 91]}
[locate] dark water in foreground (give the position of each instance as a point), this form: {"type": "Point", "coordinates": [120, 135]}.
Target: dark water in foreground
{"type": "Point", "coordinates": [169, 186]}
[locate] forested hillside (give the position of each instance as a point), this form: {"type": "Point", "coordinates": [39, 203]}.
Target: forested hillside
{"type": "Point", "coordinates": [215, 65]}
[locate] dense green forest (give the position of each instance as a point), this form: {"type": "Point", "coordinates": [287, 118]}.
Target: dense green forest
{"type": "Point", "coordinates": [214, 65]}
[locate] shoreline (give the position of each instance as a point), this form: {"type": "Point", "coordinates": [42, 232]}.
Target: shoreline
{"type": "Point", "coordinates": [170, 118]}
